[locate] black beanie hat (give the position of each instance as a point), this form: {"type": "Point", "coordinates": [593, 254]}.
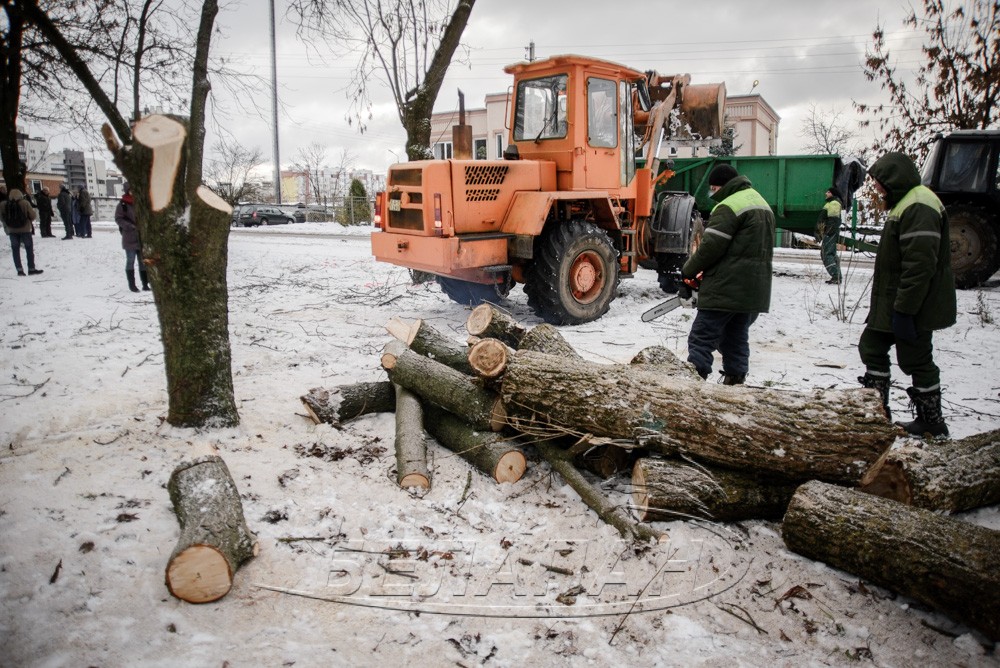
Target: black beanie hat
{"type": "Point", "coordinates": [721, 175]}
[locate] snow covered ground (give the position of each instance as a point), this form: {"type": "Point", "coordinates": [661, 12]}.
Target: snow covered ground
{"type": "Point", "coordinates": [86, 525]}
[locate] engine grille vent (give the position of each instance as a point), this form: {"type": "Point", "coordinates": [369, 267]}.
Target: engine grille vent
{"type": "Point", "coordinates": [485, 175]}
{"type": "Point", "coordinates": [482, 194]}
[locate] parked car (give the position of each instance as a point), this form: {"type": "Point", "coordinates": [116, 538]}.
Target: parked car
{"type": "Point", "coordinates": [256, 215]}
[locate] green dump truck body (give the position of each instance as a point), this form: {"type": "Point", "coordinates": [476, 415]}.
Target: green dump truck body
{"type": "Point", "coordinates": [794, 185]}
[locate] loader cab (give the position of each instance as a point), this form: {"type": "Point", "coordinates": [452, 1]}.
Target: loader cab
{"type": "Point", "coordinates": [576, 112]}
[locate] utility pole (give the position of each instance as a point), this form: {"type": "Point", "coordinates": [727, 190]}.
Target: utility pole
{"type": "Point", "coordinates": [529, 51]}
{"type": "Point", "coordinates": [274, 111]}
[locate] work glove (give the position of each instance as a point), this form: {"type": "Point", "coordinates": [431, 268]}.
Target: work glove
{"type": "Point", "coordinates": [684, 292]}
{"type": "Point", "coordinates": [903, 327]}
{"type": "Point", "coordinates": [694, 283]}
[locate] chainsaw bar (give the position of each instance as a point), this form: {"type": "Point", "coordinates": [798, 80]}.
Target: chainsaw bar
{"type": "Point", "coordinates": [661, 309]}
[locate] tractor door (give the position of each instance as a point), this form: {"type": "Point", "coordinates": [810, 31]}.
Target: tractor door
{"type": "Point", "coordinates": [602, 151]}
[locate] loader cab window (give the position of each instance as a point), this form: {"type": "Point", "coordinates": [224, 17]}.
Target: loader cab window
{"type": "Point", "coordinates": [965, 167]}
{"type": "Point", "coordinates": [627, 154]}
{"type": "Point", "coordinates": [602, 113]}
{"type": "Point", "coordinates": [540, 111]}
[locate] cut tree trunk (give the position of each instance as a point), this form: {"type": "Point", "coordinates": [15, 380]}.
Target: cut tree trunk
{"type": "Point", "coordinates": [670, 490]}
{"type": "Point", "coordinates": [948, 564]}
{"type": "Point", "coordinates": [500, 457]}
{"type": "Point", "coordinates": [214, 538]}
{"type": "Point", "coordinates": [411, 442]}
{"type": "Point", "coordinates": [666, 360]}
{"type": "Point", "coordinates": [605, 460]}
{"type": "Point", "coordinates": [951, 475]}
{"type": "Point", "coordinates": [830, 435]}
{"type": "Point", "coordinates": [423, 339]}
{"type": "Point", "coordinates": [612, 514]}
{"type": "Point", "coordinates": [486, 321]}
{"type": "Point", "coordinates": [545, 338]}
{"type": "Point", "coordinates": [443, 386]}
{"type": "Point", "coordinates": [347, 402]}
{"type": "Point", "coordinates": [488, 358]}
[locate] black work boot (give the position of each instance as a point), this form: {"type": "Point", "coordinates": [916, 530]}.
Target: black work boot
{"type": "Point", "coordinates": [733, 378]}
{"type": "Point", "coordinates": [880, 383]}
{"type": "Point", "coordinates": [130, 275]}
{"type": "Point", "coordinates": [930, 421]}
{"type": "Point", "coordinates": [144, 279]}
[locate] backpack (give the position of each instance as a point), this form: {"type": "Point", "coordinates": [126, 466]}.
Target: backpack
{"type": "Point", "coordinates": [15, 217]}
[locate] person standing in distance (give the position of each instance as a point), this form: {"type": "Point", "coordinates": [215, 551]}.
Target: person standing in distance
{"type": "Point", "coordinates": [64, 202]}
{"type": "Point", "coordinates": [913, 292]}
{"type": "Point", "coordinates": [18, 217]}
{"type": "Point", "coordinates": [125, 217]}
{"type": "Point", "coordinates": [44, 211]}
{"type": "Point", "coordinates": [734, 266]}
{"type": "Point", "coordinates": [828, 231]}
{"type": "Point", "coordinates": [86, 211]}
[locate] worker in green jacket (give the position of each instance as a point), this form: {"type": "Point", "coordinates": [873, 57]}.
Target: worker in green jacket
{"type": "Point", "coordinates": [828, 232]}
{"type": "Point", "coordinates": [734, 263]}
{"type": "Point", "coordinates": [913, 292]}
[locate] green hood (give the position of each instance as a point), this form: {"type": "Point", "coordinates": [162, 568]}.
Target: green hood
{"type": "Point", "coordinates": [897, 174]}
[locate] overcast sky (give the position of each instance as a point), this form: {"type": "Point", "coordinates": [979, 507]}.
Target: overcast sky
{"type": "Point", "coordinates": [802, 53]}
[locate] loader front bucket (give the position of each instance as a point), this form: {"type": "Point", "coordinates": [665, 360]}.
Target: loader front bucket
{"type": "Point", "coordinates": [703, 108]}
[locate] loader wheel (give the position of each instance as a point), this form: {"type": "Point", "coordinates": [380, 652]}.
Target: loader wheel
{"type": "Point", "coordinates": [468, 293]}
{"type": "Point", "coordinates": [574, 276]}
{"type": "Point", "coordinates": [975, 252]}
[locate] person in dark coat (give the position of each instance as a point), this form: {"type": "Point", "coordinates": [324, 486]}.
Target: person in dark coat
{"type": "Point", "coordinates": [64, 202]}
{"type": "Point", "coordinates": [44, 202]}
{"type": "Point", "coordinates": [125, 217]}
{"type": "Point", "coordinates": [828, 232]}
{"type": "Point", "coordinates": [734, 262]}
{"type": "Point", "coordinates": [18, 216]}
{"type": "Point", "coordinates": [913, 292]}
{"type": "Point", "coordinates": [86, 206]}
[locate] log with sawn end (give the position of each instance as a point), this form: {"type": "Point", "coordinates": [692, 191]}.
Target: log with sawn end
{"type": "Point", "coordinates": [545, 338]}
{"type": "Point", "coordinates": [488, 358]}
{"type": "Point", "coordinates": [498, 456]}
{"type": "Point", "coordinates": [346, 402]}
{"type": "Point", "coordinates": [672, 490]}
{"type": "Point", "coordinates": [214, 537]}
{"type": "Point", "coordinates": [443, 386]}
{"type": "Point", "coordinates": [425, 340]}
{"type": "Point", "coordinates": [940, 475]}
{"type": "Point", "coordinates": [410, 442]}
{"type": "Point", "coordinates": [830, 435]}
{"type": "Point", "coordinates": [486, 321]}
{"type": "Point", "coordinates": [948, 564]}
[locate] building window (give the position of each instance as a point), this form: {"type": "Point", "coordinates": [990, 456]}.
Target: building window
{"type": "Point", "coordinates": [442, 150]}
{"type": "Point", "coordinates": [499, 145]}
{"type": "Point", "coordinates": [479, 149]}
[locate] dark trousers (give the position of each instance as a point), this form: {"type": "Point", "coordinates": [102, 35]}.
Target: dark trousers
{"type": "Point", "coordinates": [18, 239]}
{"type": "Point", "coordinates": [84, 228]}
{"type": "Point", "coordinates": [729, 333]}
{"type": "Point", "coordinates": [829, 253]}
{"type": "Point", "coordinates": [130, 257]}
{"type": "Point", "coordinates": [45, 223]}
{"type": "Point", "coordinates": [915, 359]}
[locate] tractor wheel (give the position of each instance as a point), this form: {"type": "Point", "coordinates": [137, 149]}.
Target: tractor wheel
{"type": "Point", "coordinates": [574, 276]}
{"type": "Point", "coordinates": [469, 293]}
{"type": "Point", "coordinates": [975, 252]}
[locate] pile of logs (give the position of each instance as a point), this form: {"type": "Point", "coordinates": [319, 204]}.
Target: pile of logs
{"type": "Point", "coordinates": [821, 459]}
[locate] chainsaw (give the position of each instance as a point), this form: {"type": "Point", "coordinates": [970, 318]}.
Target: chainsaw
{"type": "Point", "coordinates": [684, 297]}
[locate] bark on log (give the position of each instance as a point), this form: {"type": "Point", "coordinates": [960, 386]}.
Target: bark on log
{"type": "Point", "coordinates": [443, 386]}
{"type": "Point", "coordinates": [347, 402]}
{"type": "Point", "coordinates": [616, 516]}
{"type": "Point", "coordinates": [500, 457]}
{"type": "Point", "coordinates": [951, 475]}
{"type": "Point", "coordinates": [666, 360]}
{"type": "Point", "coordinates": [605, 460]}
{"type": "Point", "coordinates": [214, 538]}
{"type": "Point", "coordinates": [669, 490]}
{"type": "Point", "coordinates": [423, 339]}
{"type": "Point", "coordinates": [486, 321]}
{"type": "Point", "coordinates": [948, 564]}
{"type": "Point", "coordinates": [830, 435]}
{"type": "Point", "coordinates": [488, 358]}
{"type": "Point", "coordinates": [545, 338]}
{"type": "Point", "coordinates": [411, 442]}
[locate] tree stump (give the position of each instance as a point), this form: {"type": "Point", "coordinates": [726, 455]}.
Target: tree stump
{"type": "Point", "coordinates": [486, 321]}
{"type": "Point", "coordinates": [668, 490]}
{"type": "Point", "coordinates": [424, 340]}
{"type": "Point", "coordinates": [951, 476]}
{"type": "Point", "coordinates": [347, 402]}
{"type": "Point", "coordinates": [443, 386]}
{"type": "Point", "coordinates": [411, 444]}
{"type": "Point", "coordinates": [214, 538]}
{"type": "Point", "coordinates": [950, 565]}
{"type": "Point", "coordinates": [830, 435]}
{"type": "Point", "coordinates": [500, 457]}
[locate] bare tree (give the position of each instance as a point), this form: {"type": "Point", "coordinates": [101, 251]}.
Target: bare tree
{"type": "Point", "coordinates": [827, 133]}
{"type": "Point", "coordinates": [342, 173]}
{"type": "Point", "coordinates": [312, 162]}
{"type": "Point", "coordinates": [228, 174]}
{"type": "Point", "coordinates": [956, 88]}
{"type": "Point", "coordinates": [407, 43]}
{"type": "Point", "coordinates": [184, 226]}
